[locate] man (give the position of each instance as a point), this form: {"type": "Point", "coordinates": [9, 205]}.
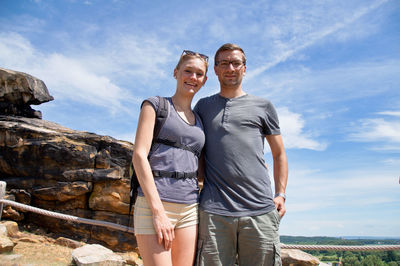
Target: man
{"type": "Point", "coordinates": [239, 215]}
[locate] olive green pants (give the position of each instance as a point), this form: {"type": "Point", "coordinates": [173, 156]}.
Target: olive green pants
{"type": "Point", "coordinates": [250, 241]}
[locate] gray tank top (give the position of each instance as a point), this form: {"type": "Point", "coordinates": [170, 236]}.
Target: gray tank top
{"type": "Point", "coordinates": [167, 158]}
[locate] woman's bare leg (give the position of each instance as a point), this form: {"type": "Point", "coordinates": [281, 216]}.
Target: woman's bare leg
{"type": "Point", "coordinates": [184, 246]}
{"type": "Point", "coordinates": [152, 253]}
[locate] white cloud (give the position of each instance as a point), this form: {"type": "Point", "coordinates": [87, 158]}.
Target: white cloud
{"type": "Point", "coordinates": [307, 88]}
{"type": "Point", "coordinates": [16, 51]}
{"type": "Point", "coordinates": [377, 130]}
{"type": "Point", "coordinates": [386, 148]}
{"type": "Point", "coordinates": [314, 29]}
{"type": "Point", "coordinates": [76, 78]}
{"type": "Point", "coordinates": [292, 126]}
{"type": "Point", "coordinates": [321, 213]}
{"type": "Point", "coordinates": [135, 56]}
{"type": "Point", "coordinates": [385, 131]}
{"type": "Point", "coordinates": [392, 113]}
{"type": "Point", "coordinates": [392, 161]}
{"type": "Point", "coordinates": [69, 78]}
{"type": "Point", "coordinates": [313, 191]}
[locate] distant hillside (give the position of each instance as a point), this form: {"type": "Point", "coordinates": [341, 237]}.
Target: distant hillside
{"type": "Point", "coordinates": [324, 240]}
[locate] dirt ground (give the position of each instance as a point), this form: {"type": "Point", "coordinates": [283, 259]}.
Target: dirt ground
{"type": "Point", "coordinates": [26, 253]}
{"type": "Point", "coordinates": [34, 248]}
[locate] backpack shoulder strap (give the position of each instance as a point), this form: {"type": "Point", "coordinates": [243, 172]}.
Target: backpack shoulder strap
{"type": "Point", "coordinates": [177, 145]}
{"type": "Point", "coordinates": [161, 115]}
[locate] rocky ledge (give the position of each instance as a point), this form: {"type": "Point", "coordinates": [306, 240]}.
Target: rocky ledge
{"type": "Point", "coordinates": [77, 173]}
{"type": "Point", "coordinates": [18, 91]}
{"type": "Point", "coordinates": [56, 168]}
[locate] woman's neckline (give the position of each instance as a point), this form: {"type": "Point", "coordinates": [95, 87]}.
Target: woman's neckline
{"type": "Point", "coordinates": [176, 111]}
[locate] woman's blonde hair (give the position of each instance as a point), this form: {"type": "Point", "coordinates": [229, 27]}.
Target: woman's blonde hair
{"type": "Point", "coordinates": [186, 56]}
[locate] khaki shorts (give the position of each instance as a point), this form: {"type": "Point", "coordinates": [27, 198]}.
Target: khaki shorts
{"type": "Point", "coordinates": [180, 215]}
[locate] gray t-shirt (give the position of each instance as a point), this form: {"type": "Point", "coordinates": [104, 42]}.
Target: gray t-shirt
{"type": "Point", "coordinates": [236, 178]}
{"type": "Point", "coordinates": [167, 158]}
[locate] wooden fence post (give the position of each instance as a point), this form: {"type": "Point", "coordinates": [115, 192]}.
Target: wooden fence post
{"type": "Point", "coordinates": [2, 193]}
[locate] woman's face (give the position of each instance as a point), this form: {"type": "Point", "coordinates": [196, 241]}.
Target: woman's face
{"type": "Point", "coordinates": [191, 75]}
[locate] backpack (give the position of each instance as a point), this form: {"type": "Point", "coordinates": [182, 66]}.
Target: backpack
{"type": "Point", "coordinates": [161, 116]}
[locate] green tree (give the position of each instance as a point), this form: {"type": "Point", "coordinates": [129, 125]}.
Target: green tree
{"type": "Point", "coordinates": [372, 260]}
{"type": "Point", "coordinates": [351, 260]}
{"type": "Point", "coordinates": [393, 256]}
{"type": "Point", "coordinates": [329, 258]}
{"type": "Point", "coordinates": [348, 254]}
{"type": "Point", "coordinates": [330, 253]}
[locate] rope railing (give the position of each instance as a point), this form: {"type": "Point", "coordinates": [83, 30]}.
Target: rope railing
{"type": "Point", "coordinates": [66, 216]}
{"type": "Point", "coordinates": [131, 230]}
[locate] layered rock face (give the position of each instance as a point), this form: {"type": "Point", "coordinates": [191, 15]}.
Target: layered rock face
{"type": "Point", "coordinates": [55, 168]}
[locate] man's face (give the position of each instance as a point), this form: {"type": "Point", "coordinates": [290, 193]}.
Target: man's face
{"type": "Point", "coordinates": [230, 68]}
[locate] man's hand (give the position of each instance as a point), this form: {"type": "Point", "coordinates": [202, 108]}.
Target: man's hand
{"type": "Point", "coordinates": [280, 205]}
{"type": "Point", "coordinates": [280, 171]}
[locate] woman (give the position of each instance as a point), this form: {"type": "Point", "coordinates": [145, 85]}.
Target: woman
{"type": "Point", "coordinates": [165, 214]}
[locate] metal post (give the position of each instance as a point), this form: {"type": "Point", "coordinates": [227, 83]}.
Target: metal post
{"type": "Point", "coordinates": [2, 193]}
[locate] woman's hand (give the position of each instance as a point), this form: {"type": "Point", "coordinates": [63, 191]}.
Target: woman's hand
{"type": "Point", "coordinates": [164, 230]}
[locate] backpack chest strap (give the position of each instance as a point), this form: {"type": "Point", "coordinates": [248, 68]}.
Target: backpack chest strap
{"type": "Point", "coordinates": [177, 145]}
{"type": "Point", "coordinates": [177, 175]}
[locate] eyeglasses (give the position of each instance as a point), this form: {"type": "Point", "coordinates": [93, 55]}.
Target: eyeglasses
{"type": "Point", "coordinates": [237, 64]}
{"type": "Point", "coordinates": [188, 52]}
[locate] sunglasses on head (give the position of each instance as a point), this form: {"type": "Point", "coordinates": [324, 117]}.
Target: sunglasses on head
{"type": "Point", "coordinates": [188, 52]}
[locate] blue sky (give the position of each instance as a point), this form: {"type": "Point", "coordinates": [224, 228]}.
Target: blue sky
{"type": "Point", "coordinates": [331, 68]}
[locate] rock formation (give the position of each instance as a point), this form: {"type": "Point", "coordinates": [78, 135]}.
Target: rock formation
{"type": "Point", "coordinates": [298, 257]}
{"type": "Point", "coordinates": [18, 91]}
{"type": "Point", "coordinates": [73, 172]}
{"type": "Point", "coordinates": [6, 245]}
{"type": "Point", "coordinates": [55, 168]}
{"type": "Point", "coordinates": [96, 255]}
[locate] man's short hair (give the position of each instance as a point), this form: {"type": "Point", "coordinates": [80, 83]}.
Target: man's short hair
{"type": "Point", "coordinates": [229, 47]}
